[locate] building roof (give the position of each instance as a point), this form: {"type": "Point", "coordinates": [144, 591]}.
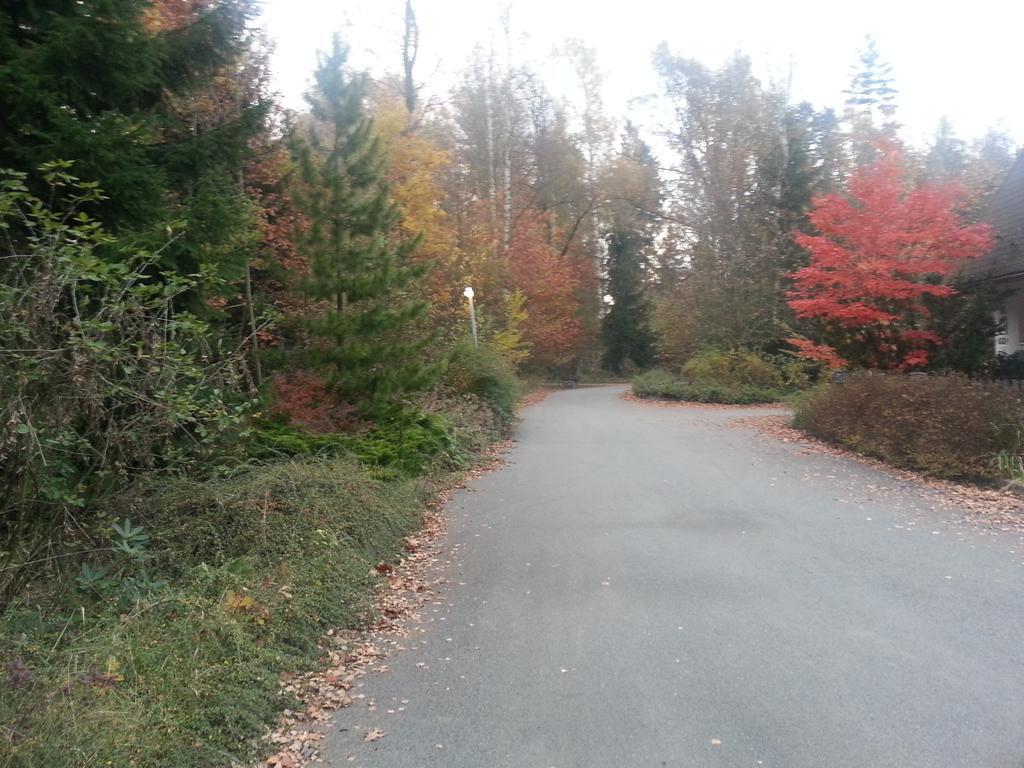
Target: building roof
{"type": "Point", "coordinates": [1006, 215]}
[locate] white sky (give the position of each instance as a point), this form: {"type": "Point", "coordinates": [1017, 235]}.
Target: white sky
{"type": "Point", "coordinates": [962, 60]}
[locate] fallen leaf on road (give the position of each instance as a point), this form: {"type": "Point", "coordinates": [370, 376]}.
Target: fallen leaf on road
{"type": "Point", "coordinates": [373, 735]}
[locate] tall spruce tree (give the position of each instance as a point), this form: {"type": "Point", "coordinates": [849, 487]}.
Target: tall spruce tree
{"type": "Point", "coordinates": [626, 328]}
{"type": "Point", "coordinates": [363, 340]}
{"type": "Point", "coordinates": [870, 112]}
{"type": "Point", "coordinates": [93, 81]}
{"type": "Point", "coordinates": [871, 86]}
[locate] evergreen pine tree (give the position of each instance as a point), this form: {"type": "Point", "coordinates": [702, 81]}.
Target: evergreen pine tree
{"type": "Point", "coordinates": [947, 155]}
{"type": "Point", "coordinates": [871, 87]}
{"type": "Point", "coordinates": [870, 105]}
{"type": "Point", "coordinates": [626, 328]}
{"type": "Point", "coordinates": [359, 265]}
{"type": "Point", "coordinates": [90, 81]}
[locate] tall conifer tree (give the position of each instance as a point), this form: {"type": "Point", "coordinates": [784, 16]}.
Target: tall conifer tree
{"type": "Point", "coordinates": [93, 82]}
{"type": "Point", "coordinates": [360, 264]}
{"type": "Point", "coordinates": [626, 328]}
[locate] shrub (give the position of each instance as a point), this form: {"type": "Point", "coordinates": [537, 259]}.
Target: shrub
{"type": "Point", "coordinates": [473, 423]}
{"type": "Point", "coordinates": [946, 426]}
{"type": "Point", "coordinates": [102, 378]}
{"type": "Point", "coordinates": [738, 368]}
{"type": "Point", "coordinates": [659, 384]}
{"type": "Point", "coordinates": [656, 383]}
{"type": "Point", "coordinates": [797, 373]}
{"type": "Point", "coordinates": [484, 373]}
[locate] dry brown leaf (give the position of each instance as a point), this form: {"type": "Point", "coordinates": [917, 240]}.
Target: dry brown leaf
{"type": "Point", "coordinates": [373, 735]}
{"type": "Point", "coordinates": [283, 760]}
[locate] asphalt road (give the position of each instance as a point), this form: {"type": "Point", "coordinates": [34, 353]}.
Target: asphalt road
{"type": "Point", "coordinates": [646, 586]}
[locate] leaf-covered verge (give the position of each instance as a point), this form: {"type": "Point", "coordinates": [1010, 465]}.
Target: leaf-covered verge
{"type": "Point", "coordinates": [945, 426]}
{"type": "Point", "coordinates": [162, 640]}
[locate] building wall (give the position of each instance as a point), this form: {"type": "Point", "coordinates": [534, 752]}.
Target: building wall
{"type": "Point", "coordinates": [1012, 339]}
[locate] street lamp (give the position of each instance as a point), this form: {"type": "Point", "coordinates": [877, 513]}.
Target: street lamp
{"type": "Point", "coordinates": [468, 293]}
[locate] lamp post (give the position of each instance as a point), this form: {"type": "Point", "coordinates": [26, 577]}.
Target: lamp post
{"type": "Point", "coordinates": [468, 293]}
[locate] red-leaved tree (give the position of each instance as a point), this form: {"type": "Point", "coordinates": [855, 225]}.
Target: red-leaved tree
{"type": "Point", "coordinates": [551, 284]}
{"type": "Point", "coordinates": [878, 253]}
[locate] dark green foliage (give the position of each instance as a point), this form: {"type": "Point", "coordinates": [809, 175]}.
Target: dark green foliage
{"type": "Point", "coordinates": [1009, 366]}
{"type": "Point", "coordinates": [626, 329]}
{"type": "Point", "coordinates": [259, 567]}
{"type": "Point", "coordinates": [101, 380]}
{"type": "Point", "coordinates": [947, 426]}
{"type": "Point", "coordinates": [967, 323]}
{"type": "Point", "coordinates": [407, 443]}
{"type": "Point", "coordinates": [83, 81]}
{"type": "Point", "coordinates": [663, 385]}
{"type": "Point", "coordinates": [362, 335]}
{"type": "Point", "coordinates": [88, 81]}
{"type": "Point", "coordinates": [486, 374]}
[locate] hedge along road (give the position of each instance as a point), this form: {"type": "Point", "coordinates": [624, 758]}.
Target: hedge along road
{"type": "Point", "coordinates": [646, 586]}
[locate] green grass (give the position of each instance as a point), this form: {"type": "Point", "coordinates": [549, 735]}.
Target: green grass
{"type": "Point", "coordinates": [258, 567]}
{"type": "Point", "coordinates": [160, 644]}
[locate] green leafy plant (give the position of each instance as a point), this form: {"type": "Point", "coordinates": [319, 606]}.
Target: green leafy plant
{"type": "Point", "coordinates": [105, 377]}
{"type": "Point", "coordinates": [486, 373]}
{"type": "Point", "coordinates": [407, 442]}
{"type": "Point", "coordinates": [126, 579]}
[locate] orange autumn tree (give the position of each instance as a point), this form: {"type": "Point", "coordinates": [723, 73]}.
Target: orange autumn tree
{"type": "Point", "coordinates": [878, 255]}
{"type": "Point", "coordinates": [550, 283]}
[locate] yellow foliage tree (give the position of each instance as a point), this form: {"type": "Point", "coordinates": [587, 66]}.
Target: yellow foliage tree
{"type": "Point", "coordinates": [509, 342]}
{"type": "Point", "coordinates": [416, 165]}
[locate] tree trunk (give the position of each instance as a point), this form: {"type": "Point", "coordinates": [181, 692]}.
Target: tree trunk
{"type": "Point", "coordinates": [410, 47]}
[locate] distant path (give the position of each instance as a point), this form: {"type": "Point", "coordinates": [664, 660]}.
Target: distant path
{"type": "Point", "coordinates": [641, 582]}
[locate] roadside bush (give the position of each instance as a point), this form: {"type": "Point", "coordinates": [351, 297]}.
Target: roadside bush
{"type": "Point", "coordinates": [660, 384]}
{"type": "Point", "coordinates": [797, 374]}
{"type": "Point", "coordinates": [103, 378]}
{"type": "Point", "coordinates": [946, 426]}
{"type": "Point", "coordinates": [657, 383]}
{"type": "Point", "coordinates": [474, 424]}
{"type": "Point", "coordinates": [484, 373]}
{"type": "Point", "coordinates": [737, 368]}
{"type": "Point", "coordinates": [170, 657]}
